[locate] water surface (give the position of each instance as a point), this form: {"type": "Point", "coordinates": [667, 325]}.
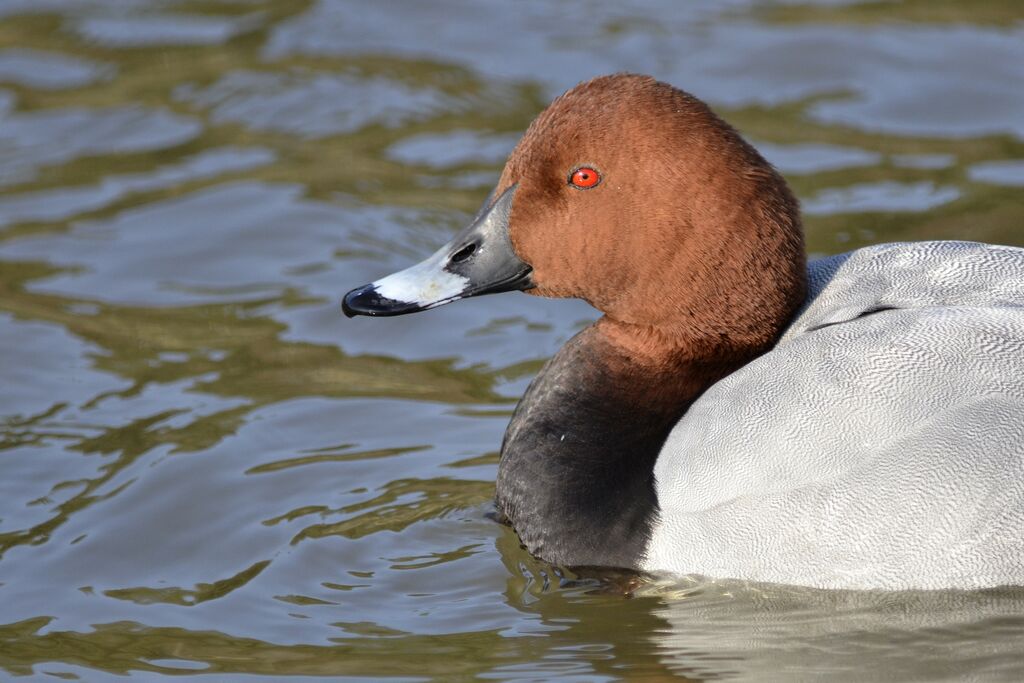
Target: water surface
{"type": "Point", "coordinates": [206, 471]}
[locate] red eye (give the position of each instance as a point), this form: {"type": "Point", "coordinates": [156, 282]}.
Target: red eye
{"type": "Point", "coordinates": [584, 178]}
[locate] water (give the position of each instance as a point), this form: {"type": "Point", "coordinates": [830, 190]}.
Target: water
{"type": "Point", "coordinates": [206, 471]}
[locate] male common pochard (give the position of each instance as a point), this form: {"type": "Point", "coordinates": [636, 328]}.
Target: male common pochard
{"type": "Point", "coordinates": [855, 422]}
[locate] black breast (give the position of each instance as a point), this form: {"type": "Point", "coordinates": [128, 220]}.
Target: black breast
{"type": "Point", "coordinates": [576, 478]}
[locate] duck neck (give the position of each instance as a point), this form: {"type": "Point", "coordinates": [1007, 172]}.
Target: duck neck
{"type": "Point", "coordinates": [576, 477]}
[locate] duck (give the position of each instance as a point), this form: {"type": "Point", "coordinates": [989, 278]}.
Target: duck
{"type": "Point", "coordinates": [738, 411]}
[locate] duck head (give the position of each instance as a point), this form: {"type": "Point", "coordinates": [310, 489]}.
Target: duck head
{"type": "Point", "coordinates": [634, 196]}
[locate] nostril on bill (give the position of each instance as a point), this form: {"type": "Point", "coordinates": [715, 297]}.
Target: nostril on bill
{"type": "Point", "coordinates": [464, 253]}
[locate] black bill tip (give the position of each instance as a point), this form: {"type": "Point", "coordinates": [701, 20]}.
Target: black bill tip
{"type": "Point", "coordinates": [366, 300]}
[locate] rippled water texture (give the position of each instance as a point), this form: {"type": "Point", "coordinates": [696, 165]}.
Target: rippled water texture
{"type": "Point", "coordinates": [206, 471]}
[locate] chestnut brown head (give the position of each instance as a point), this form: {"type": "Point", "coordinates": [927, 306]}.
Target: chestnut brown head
{"type": "Point", "coordinates": [634, 196]}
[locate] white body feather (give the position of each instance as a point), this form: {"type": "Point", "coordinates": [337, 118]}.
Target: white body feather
{"type": "Point", "coordinates": [880, 444]}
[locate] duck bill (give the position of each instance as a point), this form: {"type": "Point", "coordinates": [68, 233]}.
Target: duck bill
{"type": "Point", "coordinates": [480, 260]}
